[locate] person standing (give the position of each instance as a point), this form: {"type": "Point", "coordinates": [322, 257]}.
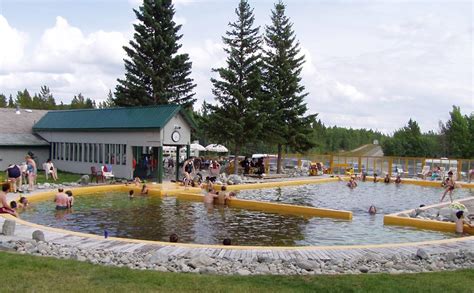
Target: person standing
{"type": "Point", "coordinates": [31, 171]}
{"type": "Point", "coordinates": [14, 177]}
{"type": "Point", "coordinates": [188, 168]}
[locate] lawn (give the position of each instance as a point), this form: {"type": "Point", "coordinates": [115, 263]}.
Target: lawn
{"type": "Point", "coordinates": [39, 274]}
{"type": "Point", "coordinates": [62, 177]}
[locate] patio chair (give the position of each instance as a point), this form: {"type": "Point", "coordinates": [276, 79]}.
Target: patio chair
{"type": "Point", "coordinates": [107, 172]}
{"type": "Point", "coordinates": [97, 175]}
{"type": "Point", "coordinates": [424, 172]}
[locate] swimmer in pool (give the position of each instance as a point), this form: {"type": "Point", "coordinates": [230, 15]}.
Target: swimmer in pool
{"type": "Point", "coordinates": [352, 183]}
{"type": "Point", "coordinates": [372, 210]}
{"type": "Point", "coordinates": [61, 200]}
{"type": "Point", "coordinates": [398, 180]}
{"type": "Point", "coordinates": [210, 195]}
{"type": "Point", "coordinates": [144, 190]}
{"type": "Point", "coordinates": [130, 194]}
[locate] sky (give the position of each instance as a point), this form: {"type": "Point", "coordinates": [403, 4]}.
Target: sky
{"type": "Point", "coordinates": [369, 64]}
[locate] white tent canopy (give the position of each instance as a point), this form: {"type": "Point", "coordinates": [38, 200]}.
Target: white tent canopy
{"type": "Point", "coordinates": [218, 148]}
{"type": "Point", "coordinates": [197, 147]}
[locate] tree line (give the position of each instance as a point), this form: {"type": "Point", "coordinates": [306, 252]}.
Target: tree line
{"type": "Point", "coordinates": [455, 139]}
{"type": "Point", "coordinates": [258, 99]}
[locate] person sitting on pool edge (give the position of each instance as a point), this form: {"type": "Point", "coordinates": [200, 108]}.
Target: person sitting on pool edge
{"type": "Point", "coordinates": [173, 238]}
{"type": "Point", "coordinates": [386, 179]}
{"type": "Point", "coordinates": [61, 200]}
{"type": "Point", "coordinates": [372, 210]}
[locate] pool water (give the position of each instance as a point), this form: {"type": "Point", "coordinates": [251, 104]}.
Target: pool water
{"type": "Point", "coordinates": [155, 218]}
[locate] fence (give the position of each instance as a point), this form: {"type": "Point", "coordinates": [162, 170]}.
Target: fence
{"type": "Point", "coordinates": [405, 166]}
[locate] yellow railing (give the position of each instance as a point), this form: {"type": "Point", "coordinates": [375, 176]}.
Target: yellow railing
{"type": "Point", "coordinates": [404, 166]}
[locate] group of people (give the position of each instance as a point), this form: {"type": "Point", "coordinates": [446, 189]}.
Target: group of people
{"type": "Point", "coordinates": [255, 166]}
{"type": "Point", "coordinates": [12, 207]}
{"type": "Point", "coordinates": [212, 196]}
{"type": "Point", "coordinates": [27, 173]}
{"type": "Point", "coordinates": [64, 200]}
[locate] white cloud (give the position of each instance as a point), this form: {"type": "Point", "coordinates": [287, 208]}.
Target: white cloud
{"type": "Point", "coordinates": [12, 45]}
{"type": "Point", "coordinates": [66, 60]}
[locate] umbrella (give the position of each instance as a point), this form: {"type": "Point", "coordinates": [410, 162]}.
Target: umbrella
{"type": "Point", "coordinates": [218, 148]}
{"type": "Point", "coordinates": [197, 147]}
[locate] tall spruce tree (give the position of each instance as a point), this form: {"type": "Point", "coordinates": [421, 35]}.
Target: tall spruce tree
{"type": "Point", "coordinates": [154, 71]}
{"type": "Point", "coordinates": [3, 101]}
{"type": "Point", "coordinates": [235, 118]}
{"type": "Point", "coordinates": [11, 103]}
{"type": "Point", "coordinates": [284, 105]}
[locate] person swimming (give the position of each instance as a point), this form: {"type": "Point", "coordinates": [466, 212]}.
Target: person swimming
{"type": "Point", "coordinates": [352, 183]}
{"type": "Point", "coordinates": [372, 210]}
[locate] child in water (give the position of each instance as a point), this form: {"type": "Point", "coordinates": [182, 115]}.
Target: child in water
{"type": "Point", "coordinates": [130, 194]}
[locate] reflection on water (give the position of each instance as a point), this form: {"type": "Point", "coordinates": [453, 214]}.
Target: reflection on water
{"type": "Point", "coordinates": [155, 218]}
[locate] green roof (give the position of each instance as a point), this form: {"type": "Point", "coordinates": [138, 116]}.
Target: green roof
{"type": "Point", "coordinates": [132, 118]}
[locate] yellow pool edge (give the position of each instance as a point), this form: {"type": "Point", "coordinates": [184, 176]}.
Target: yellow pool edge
{"type": "Point", "coordinates": [396, 220]}
{"type": "Point", "coordinates": [157, 190]}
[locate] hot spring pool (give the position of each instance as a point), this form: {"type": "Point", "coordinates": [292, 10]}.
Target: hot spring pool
{"type": "Point", "coordinates": [155, 218]}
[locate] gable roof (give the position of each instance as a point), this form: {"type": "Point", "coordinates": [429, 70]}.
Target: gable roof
{"type": "Point", "coordinates": [131, 118]}
{"type": "Point", "coordinates": [21, 139]}
{"type": "Point", "coordinates": [13, 123]}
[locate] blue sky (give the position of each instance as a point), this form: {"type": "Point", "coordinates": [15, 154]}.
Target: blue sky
{"type": "Point", "coordinates": [371, 64]}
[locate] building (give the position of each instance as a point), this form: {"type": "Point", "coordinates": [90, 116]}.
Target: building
{"type": "Point", "coordinates": [129, 141]}
{"type": "Point", "coordinates": [17, 138]}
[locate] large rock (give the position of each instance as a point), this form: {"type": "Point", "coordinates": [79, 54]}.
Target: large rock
{"type": "Point", "coordinates": [9, 228]}
{"type": "Point", "coordinates": [201, 261]}
{"type": "Point", "coordinates": [422, 254]}
{"type": "Point", "coordinates": [157, 258]}
{"type": "Point", "coordinates": [305, 265]}
{"type": "Point", "coordinates": [38, 235]}
{"type": "Point", "coordinates": [235, 179]}
{"type": "Point", "coordinates": [84, 180]}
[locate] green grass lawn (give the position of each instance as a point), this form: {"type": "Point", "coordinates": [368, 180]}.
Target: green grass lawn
{"type": "Point", "coordinates": [41, 178]}
{"type": "Point", "coordinates": [39, 274]}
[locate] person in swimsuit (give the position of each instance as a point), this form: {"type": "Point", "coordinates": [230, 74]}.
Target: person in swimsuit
{"type": "Point", "coordinates": [352, 183]}
{"type": "Point", "coordinates": [14, 177]}
{"type": "Point", "coordinates": [144, 190]}
{"type": "Point", "coordinates": [188, 168]}
{"type": "Point", "coordinates": [398, 180]}
{"type": "Point", "coordinates": [61, 200]}
{"type": "Point", "coordinates": [70, 198]}
{"type": "Point", "coordinates": [449, 184]}
{"type": "Point", "coordinates": [386, 179]}
{"type": "Point", "coordinates": [23, 202]}
{"type": "Point", "coordinates": [5, 208]}
{"type": "Point", "coordinates": [31, 171]}
{"type": "Point", "coordinates": [460, 221]}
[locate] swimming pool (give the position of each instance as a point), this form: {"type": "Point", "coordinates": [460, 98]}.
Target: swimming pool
{"type": "Point", "coordinates": [155, 218]}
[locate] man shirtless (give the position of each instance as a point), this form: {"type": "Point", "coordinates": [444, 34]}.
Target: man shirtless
{"type": "Point", "coordinates": [61, 200]}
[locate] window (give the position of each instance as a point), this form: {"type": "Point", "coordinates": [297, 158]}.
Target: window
{"type": "Point", "coordinates": [91, 153]}
{"type": "Point", "coordinates": [107, 153]}
{"type": "Point", "coordinates": [118, 153]}
{"type": "Point", "coordinates": [124, 154]}
{"type": "Point", "coordinates": [101, 153]}
{"type": "Point", "coordinates": [80, 152]}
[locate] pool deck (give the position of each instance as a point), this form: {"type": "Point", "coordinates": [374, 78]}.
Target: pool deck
{"type": "Point", "coordinates": [25, 229]}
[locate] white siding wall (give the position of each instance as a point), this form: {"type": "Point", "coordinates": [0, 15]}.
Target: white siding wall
{"type": "Point", "coordinates": [149, 138]}
{"type": "Point", "coordinates": [184, 130]}
{"type": "Point", "coordinates": [16, 155]}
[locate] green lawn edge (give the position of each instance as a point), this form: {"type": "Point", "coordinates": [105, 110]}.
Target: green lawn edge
{"type": "Point", "coordinates": [25, 273]}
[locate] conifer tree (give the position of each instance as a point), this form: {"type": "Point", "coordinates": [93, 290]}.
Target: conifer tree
{"type": "Point", "coordinates": [154, 71]}
{"type": "Point", "coordinates": [235, 117]}
{"type": "Point", "coordinates": [23, 99]}
{"type": "Point", "coordinates": [284, 105]}
{"type": "Point", "coordinates": [3, 101]}
{"type": "Point", "coordinates": [11, 103]}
